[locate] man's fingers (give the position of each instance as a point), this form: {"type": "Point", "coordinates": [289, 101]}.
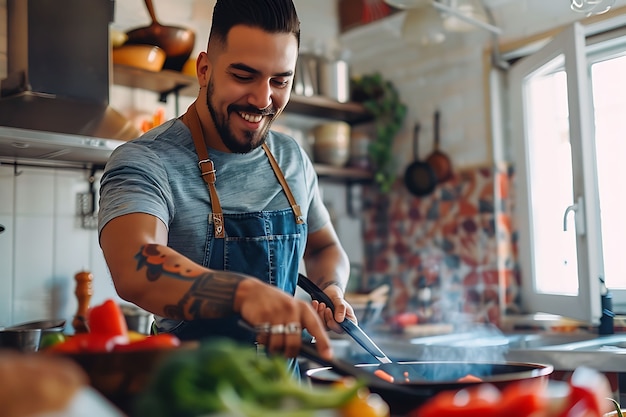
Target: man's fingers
{"type": "Point", "coordinates": [316, 328]}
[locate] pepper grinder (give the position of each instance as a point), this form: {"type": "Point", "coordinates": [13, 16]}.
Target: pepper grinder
{"type": "Point", "coordinates": [83, 293]}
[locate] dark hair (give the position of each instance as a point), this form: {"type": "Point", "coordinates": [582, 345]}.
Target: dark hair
{"type": "Point", "coordinates": [273, 16]}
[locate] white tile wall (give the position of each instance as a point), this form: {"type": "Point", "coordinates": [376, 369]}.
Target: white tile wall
{"type": "Point", "coordinates": [44, 245]}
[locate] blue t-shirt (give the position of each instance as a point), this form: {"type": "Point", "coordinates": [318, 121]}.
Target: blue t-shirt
{"type": "Point", "coordinates": [158, 174]}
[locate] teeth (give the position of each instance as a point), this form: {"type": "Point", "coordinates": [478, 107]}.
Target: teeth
{"type": "Point", "coordinates": [254, 118]}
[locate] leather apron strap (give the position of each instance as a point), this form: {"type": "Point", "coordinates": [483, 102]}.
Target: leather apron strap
{"type": "Point", "coordinates": [283, 182]}
{"type": "Point", "coordinates": [207, 170]}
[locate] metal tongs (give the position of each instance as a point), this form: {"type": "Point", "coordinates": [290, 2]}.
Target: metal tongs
{"type": "Point", "coordinates": [348, 326]}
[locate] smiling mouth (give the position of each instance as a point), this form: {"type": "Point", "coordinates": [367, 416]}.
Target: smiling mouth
{"type": "Point", "coordinates": [253, 118]}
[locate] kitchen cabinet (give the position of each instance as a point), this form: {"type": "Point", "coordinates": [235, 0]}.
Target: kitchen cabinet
{"type": "Point", "coordinates": [174, 83]}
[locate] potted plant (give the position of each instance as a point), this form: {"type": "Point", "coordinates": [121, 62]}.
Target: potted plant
{"type": "Point", "coordinates": [381, 98]}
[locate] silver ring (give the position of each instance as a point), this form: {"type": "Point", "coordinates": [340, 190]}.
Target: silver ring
{"type": "Point", "coordinates": [262, 328]}
{"type": "Point", "coordinates": [293, 328]}
{"type": "Point", "coordinates": [277, 329]}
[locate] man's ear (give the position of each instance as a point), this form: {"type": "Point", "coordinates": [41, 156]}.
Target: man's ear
{"type": "Point", "coordinates": [202, 69]}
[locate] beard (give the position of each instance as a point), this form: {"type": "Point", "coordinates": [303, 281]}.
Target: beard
{"type": "Point", "coordinates": [251, 139]}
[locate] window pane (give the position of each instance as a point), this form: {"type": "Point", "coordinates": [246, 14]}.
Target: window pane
{"type": "Point", "coordinates": [550, 162]}
{"type": "Point", "coordinates": [609, 95]}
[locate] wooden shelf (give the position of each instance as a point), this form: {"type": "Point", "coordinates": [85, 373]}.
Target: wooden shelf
{"type": "Point", "coordinates": [343, 173]}
{"type": "Point", "coordinates": [172, 82]}
{"type": "Point", "coordinates": [168, 82]}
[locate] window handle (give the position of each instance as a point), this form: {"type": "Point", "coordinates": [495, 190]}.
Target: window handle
{"type": "Point", "coordinates": [579, 218]}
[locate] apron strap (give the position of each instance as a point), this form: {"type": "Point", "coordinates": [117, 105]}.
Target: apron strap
{"type": "Point", "coordinates": [281, 178]}
{"type": "Point", "coordinates": [207, 169]}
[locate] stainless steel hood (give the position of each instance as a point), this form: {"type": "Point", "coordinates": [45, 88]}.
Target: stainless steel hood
{"type": "Point", "coordinates": [54, 102]}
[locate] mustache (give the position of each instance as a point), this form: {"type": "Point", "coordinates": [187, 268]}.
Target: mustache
{"type": "Point", "coordinates": [268, 111]}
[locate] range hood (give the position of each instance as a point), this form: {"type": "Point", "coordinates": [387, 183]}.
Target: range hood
{"type": "Point", "coordinates": [54, 102]}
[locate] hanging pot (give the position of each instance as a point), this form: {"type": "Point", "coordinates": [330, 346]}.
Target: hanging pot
{"type": "Point", "coordinates": [177, 42]}
{"type": "Point", "coordinates": [439, 161]}
{"type": "Point", "coordinates": [419, 178]}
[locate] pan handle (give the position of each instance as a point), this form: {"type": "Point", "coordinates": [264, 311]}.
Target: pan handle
{"type": "Point", "coordinates": [347, 325]}
{"type": "Point", "coordinates": [416, 132]}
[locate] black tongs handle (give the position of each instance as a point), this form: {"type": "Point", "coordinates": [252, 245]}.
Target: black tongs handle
{"type": "Point", "coordinates": [347, 325]}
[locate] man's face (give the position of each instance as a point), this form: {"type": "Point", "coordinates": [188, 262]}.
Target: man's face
{"type": "Point", "coordinates": [250, 85]}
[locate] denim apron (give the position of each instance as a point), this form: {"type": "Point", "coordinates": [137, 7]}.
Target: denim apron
{"type": "Point", "coordinates": [267, 245]}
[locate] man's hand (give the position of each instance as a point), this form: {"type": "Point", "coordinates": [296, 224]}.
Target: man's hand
{"type": "Point", "coordinates": [279, 318]}
{"type": "Point", "coordinates": [343, 310]}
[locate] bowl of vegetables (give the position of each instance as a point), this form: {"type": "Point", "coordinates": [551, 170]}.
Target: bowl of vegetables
{"type": "Point", "coordinates": [223, 378]}
{"type": "Point", "coordinates": [118, 362]}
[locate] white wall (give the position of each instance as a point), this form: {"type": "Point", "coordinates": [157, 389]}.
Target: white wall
{"type": "Point", "coordinates": [44, 245]}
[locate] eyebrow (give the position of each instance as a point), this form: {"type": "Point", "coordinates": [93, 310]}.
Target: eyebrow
{"type": "Point", "coordinates": [247, 68]}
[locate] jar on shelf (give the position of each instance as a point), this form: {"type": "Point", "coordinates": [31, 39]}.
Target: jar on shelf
{"type": "Point", "coordinates": [331, 143]}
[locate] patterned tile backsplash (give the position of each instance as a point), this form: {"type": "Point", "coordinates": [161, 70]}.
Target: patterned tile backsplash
{"type": "Point", "coordinates": [448, 256]}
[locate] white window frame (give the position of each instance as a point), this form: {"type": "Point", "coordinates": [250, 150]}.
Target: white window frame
{"type": "Point", "coordinates": [569, 44]}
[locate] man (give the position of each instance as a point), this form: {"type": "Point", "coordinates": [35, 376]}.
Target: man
{"type": "Point", "coordinates": [204, 219]}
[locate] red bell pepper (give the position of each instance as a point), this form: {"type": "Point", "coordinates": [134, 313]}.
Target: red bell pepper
{"type": "Point", "coordinates": [523, 398]}
{"type": "Point", "coordinates": [88, 342]}
{"type": "Point", "coordinates": [158, 341]}
{"type": "Point", "coordinates": [481, 400]}
{"type": "Point", "coordinates": [107, 319]}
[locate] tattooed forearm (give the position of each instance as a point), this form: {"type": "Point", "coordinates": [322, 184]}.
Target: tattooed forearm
{"type": "Point", "coordinates": [210, 296]}
{"type": "Point", "coordinates": [157, 264]}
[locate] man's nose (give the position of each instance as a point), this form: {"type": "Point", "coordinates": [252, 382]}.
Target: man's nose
{"type": "Point", "coordinates": [261, 97]}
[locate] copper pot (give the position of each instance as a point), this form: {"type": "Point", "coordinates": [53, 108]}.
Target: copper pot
{"type": "Point", "coordinates": [177, 42]}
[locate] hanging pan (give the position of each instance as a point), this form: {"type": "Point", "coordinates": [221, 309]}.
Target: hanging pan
{"type": "Point", "coordinates": [177, 42]}
{"type": "Point", "coordinates": [419, 178]}
{"type": "Point", "coordinates": [439, 161]}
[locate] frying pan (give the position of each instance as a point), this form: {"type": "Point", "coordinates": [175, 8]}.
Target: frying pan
{"type": "Point", "coordinates": [439, 161]}
{"type": "Point", "coordinates": [414, 381]}
{"type": "Point", "coordinates": [419, 178]}
{"type": "Point", "coordinates": [437, 376]}
{"type": "Point", "coordinates": [177, 42]}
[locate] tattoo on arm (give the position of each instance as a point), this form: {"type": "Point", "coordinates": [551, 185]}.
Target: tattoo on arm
{"type": "Point", "coordinates": [210, 296]}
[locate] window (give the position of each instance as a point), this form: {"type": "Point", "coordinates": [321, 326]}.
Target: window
{"type": "Point", "coordinates": [567, 105]}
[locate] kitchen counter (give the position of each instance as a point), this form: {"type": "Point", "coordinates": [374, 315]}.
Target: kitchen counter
{"type": "Point", "coordinates": [565, 351]}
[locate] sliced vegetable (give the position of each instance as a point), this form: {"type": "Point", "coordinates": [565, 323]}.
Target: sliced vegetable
{"type": "Point", "coordinates": [476, 401]}
{"type": "Point", "coordinates": [523, 399]}
{"type": "Point", "coordinates": [365, 404]}
{"type": "Point", "coordinates": [88, 342]}
{"type": "Point", "coordinates": [222, 376]}
{"type": "Point", "coordinates": [50, 339]}
{"type": "Point", "coordinates": [584, 395]}
{"type": "Point", "coordinates": [384, 375]}
{"type": "Point", "coordinates": [107, 318]}
{"type": "Point", "coordinates": [589, 390]}
{"type": "Point", "coordinates": [469, 378]}
{"type": "Point", "coordinates": [158, 341]}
